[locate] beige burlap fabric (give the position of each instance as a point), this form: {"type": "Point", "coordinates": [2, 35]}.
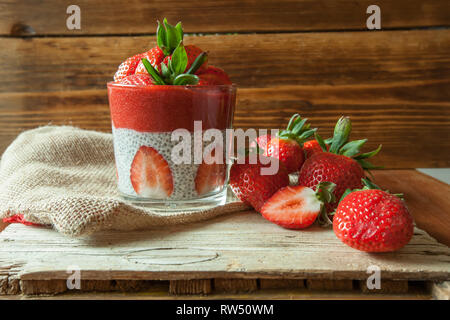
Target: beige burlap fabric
{"type": "Point", "coordinates": [65, 177]}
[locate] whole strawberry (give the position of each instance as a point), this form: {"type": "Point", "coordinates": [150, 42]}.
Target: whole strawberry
{"type": "Point", "coordinates": [343, 165]}
{"type": "Point", "coordinates": [287, 145]}
{"type": "Point", "coordinates": [253, 188]}
{"type": "Point", "coordinates": [373, 221]}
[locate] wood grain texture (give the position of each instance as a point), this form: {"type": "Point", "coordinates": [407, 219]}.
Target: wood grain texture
{"type": "Point", "coordinates": [427, 199]}
{"type": "Point", "coordinates": [186, 287]}
{"type": "Point", "coordinates": [252, 60]}
{"type": "Point", "coordinates": [386, 286]}
{"type": "Point", "coordinates": [138, 17]}
{"type": "Point", "coordinates": [329, 285]}
{"type": "Point", "coordinates": [405, 117]}
{"type": "Point", "coordinates": [281, 283]}
{"type": "Point", "coordinates": [235, 285]}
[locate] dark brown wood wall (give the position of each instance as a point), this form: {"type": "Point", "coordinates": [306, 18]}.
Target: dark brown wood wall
{"type": "Point", "coordinates": [314, 57]}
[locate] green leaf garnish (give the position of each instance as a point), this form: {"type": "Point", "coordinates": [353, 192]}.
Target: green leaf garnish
{"type": "Point", "coordinates": [185, 79]}
{"type": "Point", "coordinates": [341, 133]}
{"type": "Point", "coordinates": [368, 154]}
{"type": "Point", "coordinates": [153, 73]}
{"type": "Point", "coordinates": [179, 59]}
{"type": "Point", "coordinates": [201, 58]}
{"type": "Point", "coordinates": [322, 144]}
{"type": "Point", "coordinates": [351, 148]}
{"type": "Point", "coordinates": [172, 35]}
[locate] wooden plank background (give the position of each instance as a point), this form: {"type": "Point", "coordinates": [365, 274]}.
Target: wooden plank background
{"type": "Point", "coordinates": [210, 16]}
{"type": "Point", "coordinates": [311, 57]}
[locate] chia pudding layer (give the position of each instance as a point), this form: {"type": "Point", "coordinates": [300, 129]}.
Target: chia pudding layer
{"type": "Point", "coordinates": [127, 142]}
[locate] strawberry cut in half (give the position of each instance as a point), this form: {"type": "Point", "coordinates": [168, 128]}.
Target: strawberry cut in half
{"type": "Point", "coordinates": [137, 80]}
{"type": "Point", "coordinates": [210, 176]}
{"type": "Point", "coordinates": [128, 67]}
{"type": "Point", "coordinates": [298, 207]}
{"type": "Point", "coordinates": [155, 56]}
{"type": "Point", "coordinates": [150, 174]}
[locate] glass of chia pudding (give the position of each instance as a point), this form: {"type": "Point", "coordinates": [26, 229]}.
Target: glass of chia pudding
{"type": "Point", "coordinates": [171, 113]}
{"type": "Point", "coordinates": [159, 131]}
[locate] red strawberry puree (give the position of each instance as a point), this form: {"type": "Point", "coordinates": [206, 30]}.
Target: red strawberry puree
{"type": "Point", "coordinates": [166, 108]}
{"type": "Point", "coordinates": [143, 118]}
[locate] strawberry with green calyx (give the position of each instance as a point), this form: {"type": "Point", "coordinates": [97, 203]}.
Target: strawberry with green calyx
{"type": "Point", "coordinates": [297, 207]}
{"type": "Point", "coordinates": [173, 73]}
{"type": "Point", "coordinates": [343, 164]}
{"type": "Point", "coordinates": [339, 144]}
{"type": "Point", "coordinates": [373, 220]}
{"type": "Point", "coordinates": [287, 145]}
{"type": "Point", "coordinates": [368, 185]}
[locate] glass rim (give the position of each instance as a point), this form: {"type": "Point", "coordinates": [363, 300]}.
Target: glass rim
{"type": "Point", "coordinates": [120, 85]}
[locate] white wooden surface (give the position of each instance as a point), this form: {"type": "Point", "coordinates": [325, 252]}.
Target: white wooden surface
{"type": "Point", "coordinates": [241, 245]}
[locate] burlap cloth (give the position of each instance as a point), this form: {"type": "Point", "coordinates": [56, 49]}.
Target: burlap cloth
{"type": "Point", "coordinates": [65, 177]}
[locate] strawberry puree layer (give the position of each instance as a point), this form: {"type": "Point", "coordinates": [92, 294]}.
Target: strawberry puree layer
{"type": "Point", "coordinates": [166, 108]}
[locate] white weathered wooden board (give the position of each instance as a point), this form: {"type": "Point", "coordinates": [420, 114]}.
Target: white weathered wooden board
{"type": "Point", "coordinates": [242, 245]}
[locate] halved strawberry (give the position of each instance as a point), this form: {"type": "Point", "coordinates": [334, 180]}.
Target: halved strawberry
{"type": "Point", "coordinates": [214, 76]}
{"type": "Point", "coordinates": [138, 80]}
{"type": "Point", "coordinates": [150, 174]}
{"type": "Point", "coordinates": [210, 176]}
{"type": "Point", "coordinates": [297, 207]}
{"type": "Point", "coordinates": [128, 67]}
{"type": "Point", "coordinates": [155, 56]}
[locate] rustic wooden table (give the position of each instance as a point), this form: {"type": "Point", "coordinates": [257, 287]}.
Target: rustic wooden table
{"type": "Point", "coordinates": [309, 57]}
{"type": "Point", "coordinates": [235, 255]}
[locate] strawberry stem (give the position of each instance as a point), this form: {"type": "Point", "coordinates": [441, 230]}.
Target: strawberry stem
{"type": "Point", "coordinates": [324, 193]}
{"type": "Point", "coordinates": [297, 129]}
{"type": "Point", "coordinates": [341, 133]}
{"type": "Point", "coordinates": [340, 145]}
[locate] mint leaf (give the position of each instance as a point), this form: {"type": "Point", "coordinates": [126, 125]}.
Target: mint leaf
{"type": "Point", "coordinates": [161, 38]}
{"type": "Point", "coordinates": [180, 32]}
{"type": "Point", "coordinates": [185, 79]}
{"type": "Point", "coordinates": [171, 36]}
{"type": "Point", "coordinates": [179, 60]}
{"type": "Point", "coordinates": [153, 73]}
